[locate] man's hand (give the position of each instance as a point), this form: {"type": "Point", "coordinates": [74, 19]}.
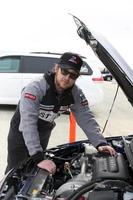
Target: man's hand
{"type": "Point", "coordinates": [107, 149]}
{"type": "Point", "coordinates": [48, 165]}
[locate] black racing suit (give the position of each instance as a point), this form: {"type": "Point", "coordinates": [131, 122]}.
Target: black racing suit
{"type": "Point", "coordinates": [33, 120]}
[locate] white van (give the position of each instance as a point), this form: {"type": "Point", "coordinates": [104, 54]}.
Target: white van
{"type": "Point", "coordinates": [18, 69]}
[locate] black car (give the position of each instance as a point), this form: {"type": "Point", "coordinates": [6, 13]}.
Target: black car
{"type": "Point", "coordinates": [107, 76]}
{"type": "Point", "coordinates": [82, 172]}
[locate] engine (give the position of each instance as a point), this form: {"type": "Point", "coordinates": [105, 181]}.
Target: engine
{"type": "Point", "coordinates": [82, 174]}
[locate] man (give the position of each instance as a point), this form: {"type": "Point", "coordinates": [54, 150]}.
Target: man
{"type": "Point", "coordinates": [41, 102]}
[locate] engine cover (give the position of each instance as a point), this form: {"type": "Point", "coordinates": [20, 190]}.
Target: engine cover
{"type": "Point", "coordinates": [110, 167]}
{"type": "Point", "coordinates": [104, 195]}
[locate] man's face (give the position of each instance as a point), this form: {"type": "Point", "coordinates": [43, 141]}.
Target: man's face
{"type": "Point", "coordinates": [65, 78]}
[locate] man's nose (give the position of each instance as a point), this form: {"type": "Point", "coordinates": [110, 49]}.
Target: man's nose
{"type": "Point", "coordinates": [67, 77]}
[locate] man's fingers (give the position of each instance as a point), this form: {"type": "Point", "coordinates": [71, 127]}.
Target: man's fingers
{"type": "Point", "coordinates": [107, 149]}
{"type": "Point", "coordinates": [48, 165]}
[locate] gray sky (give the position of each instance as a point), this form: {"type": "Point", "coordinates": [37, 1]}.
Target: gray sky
{"type": "Point", "coordinates": [45, 25]}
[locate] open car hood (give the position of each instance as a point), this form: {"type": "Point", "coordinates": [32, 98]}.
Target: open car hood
{"type": "Point", "coordinates": [120, 70]}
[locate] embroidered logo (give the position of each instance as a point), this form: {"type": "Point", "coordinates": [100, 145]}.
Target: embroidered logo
{"type": "Point", "coordinates": [73, 59]}
{"type": "Point", "coordinates": [30, 96]}
{"type": "Point", "coordinates": [84, 101]}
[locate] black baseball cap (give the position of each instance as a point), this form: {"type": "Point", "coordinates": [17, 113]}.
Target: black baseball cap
{"type": "Point", "coordinates": [71, 61]}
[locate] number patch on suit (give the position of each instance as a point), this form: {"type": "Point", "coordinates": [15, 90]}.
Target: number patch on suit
{"type": "Point", "coordinates": [48, 116]}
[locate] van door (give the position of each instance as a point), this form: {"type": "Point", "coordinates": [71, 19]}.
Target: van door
{"type": "Point", "coordinates": [10, 79]}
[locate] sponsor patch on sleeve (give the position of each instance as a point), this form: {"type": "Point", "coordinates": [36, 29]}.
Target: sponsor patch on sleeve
{"type": "Point", "coordinates": [29, 96]}
{"type": "Point", "coordinates": [84, 101]}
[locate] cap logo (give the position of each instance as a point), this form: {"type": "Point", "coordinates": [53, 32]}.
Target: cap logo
{"type": "Point", "coordinates": [73, 59]}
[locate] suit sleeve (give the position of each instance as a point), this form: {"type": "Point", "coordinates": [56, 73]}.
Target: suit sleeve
{"type": "Point", "coordinates": [85, 118]}
{"type": "Point", "coordinates": [29, 110]}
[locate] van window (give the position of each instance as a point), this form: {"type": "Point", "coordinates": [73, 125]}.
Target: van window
{"type": "Point", "coordinates": [85, 69]}
{"type": "Point", "coordinates": [37, 64]}
{"type": "Point", "coordinates": [9, 64]}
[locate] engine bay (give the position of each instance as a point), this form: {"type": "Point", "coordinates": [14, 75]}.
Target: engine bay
{"type": "Point", "coordinates": [82, 174]}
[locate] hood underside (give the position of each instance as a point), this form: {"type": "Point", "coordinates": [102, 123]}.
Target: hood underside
{"type": "Point", "coordinates": [120, 70]}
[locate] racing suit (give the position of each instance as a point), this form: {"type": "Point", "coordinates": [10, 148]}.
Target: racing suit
{"type": "Point", "coordinates": [33, 120]}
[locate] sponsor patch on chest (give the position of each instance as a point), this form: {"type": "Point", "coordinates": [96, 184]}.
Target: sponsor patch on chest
{"type": "Point", "coordinates": [48, 116]}
{"type": "Point", "coordinates": [84, 101]}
